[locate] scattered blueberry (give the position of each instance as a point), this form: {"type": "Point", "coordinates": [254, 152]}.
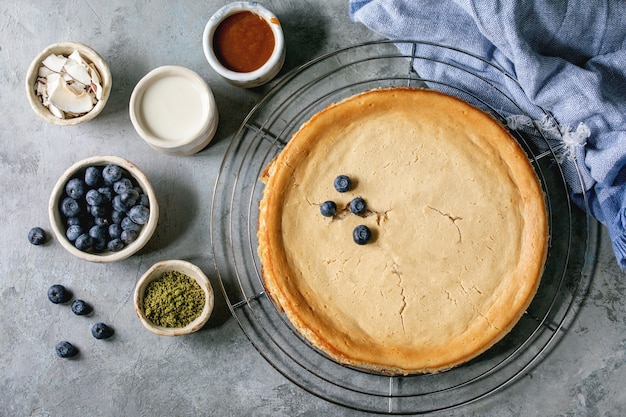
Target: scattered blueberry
{"type": "Point", "coordinates": [75, 188]}
{"type": "Point", "coordinates": [65, 349]}
{"type": "Point", "coordinates": [343, 183]}
{"type": "Point", "coordinates": [93, 176]}
{"type": "Point", "coordinates": [81, 308]}
{"type": "Point", "coordinates": [73, 232]}
{"type": "Point", "coordinates": [83, 242]}
{"type": "Point", "coordinates": [101, 331]}
{"type": "Point", "coordinates": [37, 236]}
{"type": "Point", "coordinates": [358, 205]}
{"type": "Point", "coordinates": [361, 234]}
{"type": "Point", "coordinates": [111, 173]}
{"type": "Point", "coordinates": [59, 294]}
{"type": "Point", "coordinates": [139, 214]}
{"type": "Point", "coordinates": [328, 208]}
{"type": "Point", "coordinates": [70, 207]}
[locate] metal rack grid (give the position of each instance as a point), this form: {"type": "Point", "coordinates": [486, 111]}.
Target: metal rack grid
{"type": "Point", "coordinates": [234, 216]}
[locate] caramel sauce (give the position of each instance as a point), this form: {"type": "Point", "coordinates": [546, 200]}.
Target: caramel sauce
{"type": "Point", "coordinates": [243, 42]}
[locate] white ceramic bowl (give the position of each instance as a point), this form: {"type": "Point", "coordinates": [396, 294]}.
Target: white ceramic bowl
{"type": "Point", "coordinates": [155, 272]}
{"type": "Point", "coordinates": [259, 76]}
{"type": "Point", "coordinates": [173, 109]}
{"type": "Point", "coordinates": [58, 221]}
{"type": "Point", "coordinates": [66, 48]}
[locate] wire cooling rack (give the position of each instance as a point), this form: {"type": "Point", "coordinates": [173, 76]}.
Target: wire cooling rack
{"type": "Point", "coordinates": [268, 127]}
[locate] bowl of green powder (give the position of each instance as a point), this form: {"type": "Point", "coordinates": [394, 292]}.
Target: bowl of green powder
{"type": "Point", "coordinates": [173, 298]}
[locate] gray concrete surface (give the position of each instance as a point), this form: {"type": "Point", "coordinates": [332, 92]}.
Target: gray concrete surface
{"type": "Point", "coordinates": [216, 371]}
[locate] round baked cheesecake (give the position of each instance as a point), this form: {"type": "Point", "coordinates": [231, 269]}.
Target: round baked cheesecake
{"type": "Point", "coordinates": [457, 223]}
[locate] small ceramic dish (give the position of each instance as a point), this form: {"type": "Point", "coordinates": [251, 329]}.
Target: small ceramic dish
{"type": "Point", "coordinates": [59, 221]}
{"type": "Point", "coordinates": [276, 55]}
{"type": "Point", "coordinates": [65, 49]}
{"type": "Point", "coordinates": [173, 109]}
{"type": "Point", "coordinates": [156, 272]}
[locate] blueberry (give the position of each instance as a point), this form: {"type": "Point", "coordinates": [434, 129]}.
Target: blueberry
{"type": "Point", "coordinates": [115, 245]}
{"type": "Point", "coordinates": [129, 236]}
{"type": "Point", "coordinates": [343, 183]}
{"type": "Point", "coordinates": [93, 197]}
{"type": "Point", "coordinates": [144, 200]}
{"type": "Point", "coordinates": [101, 331]}
{"type": "Point", "coordinates": [75, 188]}
{"type": "Point", "coordinates": [129, 224]}
{"type": "Point", "coordinates": [115, 231]}
{"type": "Point", "coordinates": [73, 221]}
{"type": "Point", "coordinates": [92, 176]}
{"type": "Point", "coordinates": [98, 211]}
{"type": "Point", "coordinates": [129, 197]}
{"type": "Point", "coordinates": [328, 208]}
{"type": "Point", "coordinates": [98, 244]}
{"type": "Point", "coordinates": [73, 232]}
{"type": "Point", "coordinates": [102, 221]}
{"type": "Point", "coordinates": [81, 308]}
{"type": "Point", "coordinates": [122, 185]}
{"type": "Point", "coordinates": [65, 349]}
{"type": "Point", "coordinates": [117, 216]}
{"type": "Point", "coordinates": [111, 173]}
{"type": "Point", "coordinates": [98, 232]}
{"type": "Point", "coordinates": [118, 205]}
{"type": "Point", "coordinates": [37, 236]}
{"type": "Point", "coordinates": [106, 193]}
{"type": "Point", "coordinates": [139, 214]}
{"type": "Point", "coordinates": [358, 205]}
{"type": "Point", "coordinates": [70, 207]}
{"type": "Point", "coordinates": [361, 234]}
{"type": "Point", "coordinates": [83, 242]}
{"type": "Point", "coordinates": [59, 294]}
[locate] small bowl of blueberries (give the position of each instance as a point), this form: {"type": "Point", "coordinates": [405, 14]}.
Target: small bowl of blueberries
{"type": "Point", "coordinates": [103, 209]}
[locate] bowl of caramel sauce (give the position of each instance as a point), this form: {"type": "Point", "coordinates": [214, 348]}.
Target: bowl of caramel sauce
{"type": "Point", "coordinates": [244, 43]}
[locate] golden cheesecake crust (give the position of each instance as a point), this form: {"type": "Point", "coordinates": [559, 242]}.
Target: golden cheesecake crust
{"type": "Point", "coordinates": [458, 221]}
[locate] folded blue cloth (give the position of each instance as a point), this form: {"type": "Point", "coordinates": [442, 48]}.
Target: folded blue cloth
{"type": "Point", "coordinates": [569, 56]}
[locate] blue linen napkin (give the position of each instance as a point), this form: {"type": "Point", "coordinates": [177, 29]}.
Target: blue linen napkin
{"type": "Point", "coordinates": [569, 56]}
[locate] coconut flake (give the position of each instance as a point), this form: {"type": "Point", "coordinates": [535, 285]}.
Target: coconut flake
{"type": "Point", "coordinates": [54, 62]}
{"type": "Point", "coordinates": [77, 71]}
{"type": "Point", "coordinates": [56, 112]}
{"type": "Point", "coordinates": [65, 98]}
{"type": "Point", "coordinates": [68, 86]}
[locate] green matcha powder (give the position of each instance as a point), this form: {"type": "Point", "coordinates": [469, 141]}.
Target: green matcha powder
{"type": "Point", "coordinates": [173, 300]}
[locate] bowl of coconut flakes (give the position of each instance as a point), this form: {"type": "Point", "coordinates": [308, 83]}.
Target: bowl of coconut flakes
{"type": "Point", "coordinates": [68, 83]}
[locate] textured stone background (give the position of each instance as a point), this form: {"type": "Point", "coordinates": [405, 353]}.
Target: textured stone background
{"type": "Point", "coordinates": [215, 371]}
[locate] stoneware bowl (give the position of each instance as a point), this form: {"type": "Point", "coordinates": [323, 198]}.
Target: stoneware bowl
{"type": "Point", "coordinates": [259, 76]}
{"type": "Point", "coordinates": [173, 109]}
{"type": "Point", "coordinates": [59, 223]}
{"type": "Point", "coordinates": [156, 271]}
{"type": "Point", "coordinates": [66, 48]}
